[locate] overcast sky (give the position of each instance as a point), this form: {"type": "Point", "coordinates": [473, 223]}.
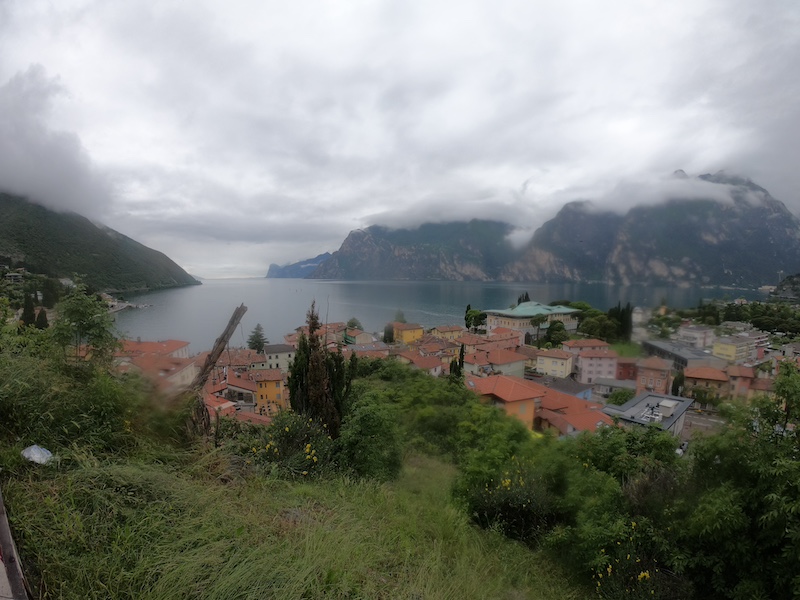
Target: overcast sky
{"type": "Point", "coordinates": [233, 134]}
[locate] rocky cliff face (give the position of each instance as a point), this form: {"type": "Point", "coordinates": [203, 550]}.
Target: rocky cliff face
{"type": "Point", "coordinates": [741, 241]}
{"type": "Point", "coordinates": [474, 251]}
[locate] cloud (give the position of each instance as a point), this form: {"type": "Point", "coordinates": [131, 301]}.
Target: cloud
{"type": "Point", "coordinates": [49, 167]}
{"type": "Point", "coordinates": [267, 131]}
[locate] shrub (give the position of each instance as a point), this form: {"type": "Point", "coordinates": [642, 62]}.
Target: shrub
{"type": "Point", "coordinates": [369, 444]}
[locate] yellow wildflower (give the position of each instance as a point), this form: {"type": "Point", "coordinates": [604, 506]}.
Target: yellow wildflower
{"type": "Point", "coordinates": [644, 575]}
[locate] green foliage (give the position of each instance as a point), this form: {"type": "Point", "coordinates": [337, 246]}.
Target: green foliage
{"type": "Point", "coordinates": [85, 329]}
{"type": "Point", "coordinates": [475, 319]}
{"type": "Point", "coordinates": [257, 339]}
{"type": "Point", "coordinates": [28, 313]}
{"type": "Point", "coordinates": [620, 397]}
{"type": "Point", "coordinates": [370, 444]}
{"type": "Point", "coordinates": [319, 381]}
{"type": "Point", "coordinates": [388, 333]}
{"type": "Point", "coordinates": [41, 319]}
{"type": "Point", "coordinates": [556, 334]}
{"type": "Point", "coordinates": [354, 323]}
{"type": "Point", "coordinates": [60, 244]}
{"type": "Point", "coordinates": [399, 317]}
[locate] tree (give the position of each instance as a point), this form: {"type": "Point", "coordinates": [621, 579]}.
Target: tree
{"type": "Point", "coordinates": [313, 388]}
{"type": "Point", "coordinates": [354, 323]}
{"type": "Point", "coordinates": [620, 397]}
{"type": "Point", "coordinates": [523, 297]}
{"type": "Point", "coordinates": [678, 383]}
{"type": "Point", "coordinates": [388, 333]}
{"type": "Point", "coordinates": [84, 328]}
{"type": "Point", "coordinates": [257, 339]}
{"type": "Point", "coordinates": [466, 316]}
{"type": "Point", "coordinates": [41, 319]}
{"type": "Point", "coordinates": [28, 312]}
{"type": "Point", "coordinates": [399, 317]}
{"type": "Point", "coordinates": [556, 334]}
{"type": "Point", "coordinates": [475, 318]}
{"type": "Point", "coordinates": [537, 321]}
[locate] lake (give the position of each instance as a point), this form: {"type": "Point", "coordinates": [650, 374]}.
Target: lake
{"type": "Point", "coordinates": [198, 314]}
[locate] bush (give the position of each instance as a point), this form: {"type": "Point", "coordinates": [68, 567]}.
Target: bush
{"type": "Point", "coordinates": [369, 444]}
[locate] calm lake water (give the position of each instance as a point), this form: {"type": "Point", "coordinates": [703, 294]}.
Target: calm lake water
{"type": "Point", "coordinates": [198, 314]}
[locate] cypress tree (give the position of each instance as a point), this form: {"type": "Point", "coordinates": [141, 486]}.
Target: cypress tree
{"type": "Point", "coordinates": [28, 312]}
{"type": "Point", "coordinates": [41, 319]}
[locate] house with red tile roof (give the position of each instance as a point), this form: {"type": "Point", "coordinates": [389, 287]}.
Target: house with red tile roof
{"type": "Point", "coordinates": [557, 363]}
{"type": "Point", "coordinates": [271, 391]}
{"type": "Point", "coordinates": [705, 383]}
{"type": "Point", "coordinates": [653, 375]}
{"type": "Point", "coordinates": [531, 353]}
{"type": "Point", "coordinates": [495, 361]}
{"type": "Point", "coordinates": [407, 333]}
{"type": "Point", "coordinates": [516, 396]}
{"type": "Point", "coordinates": [470, 341]}
{"type": "Point", "coordinates": [569, 415]}
{"type": "Point", "coordinates": [447, 332]}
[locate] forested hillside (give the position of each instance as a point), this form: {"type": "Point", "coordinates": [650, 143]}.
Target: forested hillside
{"type": "Point", "coordinates": [65, 244]}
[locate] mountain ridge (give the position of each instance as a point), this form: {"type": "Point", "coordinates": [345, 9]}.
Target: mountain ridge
{"type": "Point", "coordinates": [65, 244]}
{"type": "Point", "coordinates": [701, 240]}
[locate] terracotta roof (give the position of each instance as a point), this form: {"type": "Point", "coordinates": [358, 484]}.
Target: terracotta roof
{"type": "Point", "coordinates": [266, 375]}
{"type": "Point", "coordinates": [590, 343]}
{"type": "Point", "coordinates": [242, 381]}
{"type": "Point", "coordinates": [406, 326]}
{"type": "Point", "coordinates": [166, 347]}
{"type": "Point", "coordinates": [504, 330]}
{"type": "Point", "coordinates": [448, 328]}
{"type": "Point", "coordinates": [505, 387]}
{"type": "Point", "coordinates": [218, 406]}
{"type": "Point", "coordinates": [494, 357]}
{"type": "Point", "coordinates": [739, 371]}
{"type": "Point", "coordinates": [426, 363]}
{"type": "Point", "coordinates": [470, 339]}
{"type": "Point", "coordinates": [529, 351]}
{"type": "Point", "coordinates": [708, 373]}
{"type": "Point", "coordinates": [653, 362]}
{"type": "Point", "coordinates": [627, 360]}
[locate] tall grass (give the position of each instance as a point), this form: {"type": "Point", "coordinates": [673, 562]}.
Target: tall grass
{"type": "Point", "coordinates": [199, 529]}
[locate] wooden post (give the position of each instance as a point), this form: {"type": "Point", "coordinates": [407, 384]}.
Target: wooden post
{"type": "Point", "coordinates": [201, 420]}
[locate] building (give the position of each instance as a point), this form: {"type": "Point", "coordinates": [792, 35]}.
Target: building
{"type": "Point", "coordinates": [495, 361]}
{"type": "Point", "coordinates": [519, 317]}
{"type": "Point", "coordinates": [736, 349]}
{"type": "Point", "coordinates": [566, 386]}
{"type": "Point", "coordinates": [705, 384]}
{"type": "Point", "coordinates": [626, 368]}
{"type": "Point", "coordinates": [681, 355]}
{"type": "Point", "coordinates": [554, 362]}
{"type": "Point", "coordinates": [653, 375]}
{"type": "Point", "coordinates": [696, 336]}
{"type": "Point", "coordinates": [592, 364]}
{"type": "Point", "coordinates": [448, 332]}
{"type": "Point", "coordinates": [275, 356]}
{"type": "Point", "coordinates": [604, 386]}
{"type": "Point", "coordinates": [648, 408]}
{"type": "Point", "coordinates": [516, 396]}
{"type": "Point", "coordinates": [407, 333]}
{"type": "Point", "coordinates": [568, 415]}
{"type": "Point", "coordinates": [271, 392]}
{"type": "Point", "coordinates": [578, 346]}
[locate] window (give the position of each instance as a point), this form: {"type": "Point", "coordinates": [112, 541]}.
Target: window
{"type": "Point", "coordinates": [650, 382]}
{"type": "Point", "coordinates": [279, 396]}
{"type": "Point", "coordinates": [658, 382]}
{"type": "Point", "coordinates": [277, 384]}
{"type": "Point", "coordinates": [643, 381]}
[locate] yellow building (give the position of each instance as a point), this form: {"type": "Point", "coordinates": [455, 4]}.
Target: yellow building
{"type": "Point", "coordinates": [734, 349]}
{"type": "Point", "coordinates": [448, 332]}
{"type": "Point", "coordinates": [407, 332]}
{"type": "Point", "coordinates": [271, 395]}
{"type": "Point", "coordinates": [556, 363]}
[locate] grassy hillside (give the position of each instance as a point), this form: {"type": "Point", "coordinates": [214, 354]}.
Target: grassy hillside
{"type": "Point", "coordinates": [63, 244]}
{"type": "Point", "coordinates": [198, 528]}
